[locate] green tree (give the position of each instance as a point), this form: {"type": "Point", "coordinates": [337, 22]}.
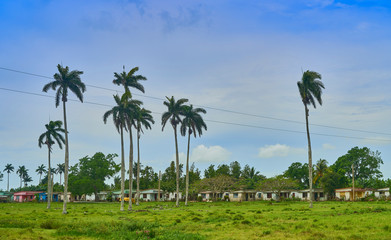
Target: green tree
{"type": "Point", "coordinates": [216, 185]}
{"type": "Point", "coordinates": [92, 172]}
{"type": "Point", "coordinates": [366, 165]}
{"type": "Point", "coordinates": [148, 178]}
{"type": "Point", "coordinates": [192, 123]}
{"type": "Point", "coordinates": [8, 168]}
{"type": "Point", "coordinates": [64, 81]}
{"type": "Point", "coordinates": [52, 135]}
{"type": "Point", "coordinates": [277, 184]}
{"type": "Point", "coordinates": [144, 119]}
{"type": "Point", "coordinates": [223, 169]}
{"type": "Point", "coordinates": [40, 170]}
{"type": "Point", "coordinates": [119, 113]}
{"type": "Point", "coordinates": [175, 110]}
{"type": "Point", "coordinates": [169, 177]}
{"type": "Point", "coordinates": [210, 172]}
{"type": "Point", "coordinates": [251, 177]}
{"type": "Point", "coordinates": [310, 88]}
{"type": "Point", "coordinates": [22, 172]}
{"type": "Point", "coordinates": [235, 169]}
{"type": "Point", "coordinates": [60, 169]}
{"type": "Point", "coordinates": [27, 179]}
{"type": "Point", "coordinates": [320, 169]}
{"type": "Point", "coordinates": [298, 172]}
{"type": "Point", "coordinates": [332, 180]}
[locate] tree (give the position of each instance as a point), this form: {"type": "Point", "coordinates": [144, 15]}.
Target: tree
{"type": "Point", "coordinates": [8, 168]}
{"type": "Point", "coordinates": [235, 169]}
{"type": "Point", "coordinates": [298, 172]}
{"type": "Point", "coordinates": [192, 123]}
{"type": "Point", "coordinates": [250, 177]}
{"type": "Point", "coordinates": [175, 109]}
{"type": "Point", "coordinates": [64, 81]}
{"type": "Point", "coordinates": [119, 113]}
{"type": "Point", "coordinates": [277, 184]}
{"type": "Point", "coordinates": [130, 80]}
{"type": "Point", "coordinates": [40, 170]}
{"type": "Point", "coordinates": [366, 165]}
{"type": "Point", "coordinates": [331, 181]}
{"type": "Point", "coordinates": [210, 172]}
{"type": "Point", "coordinates": [310, 89]}
{"type": "Point", "coordinates": [320, 169]}
{"type": "Point", "coordinates": [91, 172]}
{"type": "Point", "coordinates": [223, 169]}
{"type": "Point", "coordinates": [22, 172]}
{"type": "Point", "coordinates": [144, 118]}
{"type": "Point", "coordinates": [60, 169]}
{"type": "Point", "coordinates": [169, 177]}
{"type": "Point", "coordinates": [27, 179]}
{"type": "Point", "coordinates": [52, 135]}
{"type": "Point", "coordinates": [148, 178]}
{"type": "Point", "coordinates": [217, 184]}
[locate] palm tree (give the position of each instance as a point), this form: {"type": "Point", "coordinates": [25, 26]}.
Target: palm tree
{"type": "Point", "coordinates": [66, 80]}
{"type": "Point", "coordinates": [144, 118]}
{"type": "Point", "coordinates": [175, 109]}
{"type": "Point", "coordinates": [60, 169]}
{"type": "Point", "coordinates": [52, 135]}
{"type": "Point", "coordinates": [40, 170]}
{"type": "Point", "coordinates": [320, 169]}
{"type": "Point", "coordinates": [310, 89]}
{"type": "Point", "coordinates": [27, 179]}
{"type": "Point", "coordinates": [8, 168]}
{"type": "Point", "coordinates": [130, 80]}
{"type": "Point", "coordinates": [192, 123]}
{"type": "Point", "coordinates": [119, 118]}
{"type": "Point", "coordinates": [22, 172]}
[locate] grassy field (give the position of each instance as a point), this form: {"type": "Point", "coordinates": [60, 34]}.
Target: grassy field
{"type": "Point", "coordinates": [219, 220]}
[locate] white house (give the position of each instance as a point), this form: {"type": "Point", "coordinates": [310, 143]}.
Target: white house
{"type": "Point", "coordinates": [382, 193]}
{"type": "Point", "coordinates": [150, 195]}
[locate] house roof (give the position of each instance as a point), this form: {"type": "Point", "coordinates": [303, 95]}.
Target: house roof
{"type": "Point", "coordinates": [27, 193]}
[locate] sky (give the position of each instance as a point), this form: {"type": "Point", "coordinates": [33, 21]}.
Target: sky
{"type": "Point", "coordinates": [240, 60]}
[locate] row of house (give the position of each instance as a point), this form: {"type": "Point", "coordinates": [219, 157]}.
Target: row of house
{"type": "Point", "coordinates": [236, 196]}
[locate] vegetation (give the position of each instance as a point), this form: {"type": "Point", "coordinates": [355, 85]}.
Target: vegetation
{"type": "Point", "coordinates": [8, 168]}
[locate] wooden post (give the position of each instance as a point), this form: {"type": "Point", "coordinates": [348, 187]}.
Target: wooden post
{"type": "Point", "coordinates": [158, 195]}
{"type": "Point", "coordinates": [353, 180]}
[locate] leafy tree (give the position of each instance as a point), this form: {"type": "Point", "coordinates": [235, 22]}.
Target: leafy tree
{"type": "Point", "coordinates": [223, 169]}
{"type": "Point", "coordinates": [251, 177]}
{"type": "Point", "coordinates": [366, 165]}
{"type": "Point", "coordinates": [60, 169]}
{"type": "Point", "coordinates": [331, 181]}
{"type": "Point", "coordinates": [27, 179]}
{"type": "Point", "coordinates": [22, 172]}
{"type": "Point", "coordinates": [192, 123]}
{"type": "Point", "coordinates": [40, 170]}
{"type": "Point", "coordinates": [148, 178]}
{"type": "Point", "coordinates": [169, 177]}
{"type": "Point", "coordinates": [91, 172]}
{"type": "Point", "coordinates": [310, 89]}
{"type": "Point", "coordinates": [298, 172]}
{"type": "Point", "coordinates": [64, 81]}
{"type": "Point", "coordinates": [320, 169]}
{"type": "Point", "coordinates": [8, 168]}
{"type": "Point", "coordinates": [217, 184]}
{"type": "Point", "coordinates": [175, 110]}
{"type": "Point", "coordinates": [210, 172]}
{"type": "Point", "coordinates": [277, 184]}
{"type": "Point", "coordinates": [52, 135]}
{"type": "Point", "coordinates": [235, 169]}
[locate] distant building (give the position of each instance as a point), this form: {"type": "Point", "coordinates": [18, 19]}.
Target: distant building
{"type": "Point", "coordinates": [25, 196]}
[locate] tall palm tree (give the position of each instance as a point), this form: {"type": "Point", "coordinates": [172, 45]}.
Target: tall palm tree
{"type": "Point", "coordinates": [175, 110]}
{"type": "Point", "coordinates": [40, 170]}
{"type": "Point", "coordinates": [144, 118]}
{"type": "Point", "coordinates": [27, 179]}
{"type": "Point", "coordinates": [52, 135]}
{"type": "Point", "coordinates": [64, 81]}
{"type": "Point", "coordinates": [320, 169]}
{"type": "Point", "coordinates": [22, 172]}
{"type": "Point", "coordinates": [192, 123]}
{"type": "Point", "coordinates": [310, 89]}
{"type": "Point", "coordinates": [60, 169]}
{"type": "Point", "coordinates": [8, 168]}
{"type": "Point", "coordinates": [130, 80]}
{"type": "Point", "coordinates": [119, 118]}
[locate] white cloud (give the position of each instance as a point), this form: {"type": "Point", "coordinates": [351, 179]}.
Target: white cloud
{"type": "Point", "coordinates": [328, 146]}
{"type": "Point", "coordinates": [210, 154]}
{"type": "Point", "coordinates": [279, 150]}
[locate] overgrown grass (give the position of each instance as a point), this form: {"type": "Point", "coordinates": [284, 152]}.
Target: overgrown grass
{"type": "Point", "coordinates": [219, 220]}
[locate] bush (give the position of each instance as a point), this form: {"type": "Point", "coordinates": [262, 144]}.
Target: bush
{"type": "Point", "coordinates": [199, 199]}
{"type": "Point", "coordinates": [226, 198]}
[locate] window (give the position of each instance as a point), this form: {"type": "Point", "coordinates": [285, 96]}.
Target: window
{"type": "Point", "coordinates": [144, 195]}
{"type": "Point", "coordinates": [236, 195]}
{"type": "Point", "coordinates": [203, 195]}
{"type": "Point", "coordinates": [269, 195]}
{"type": "Point", "coordinates": [259, 195]}
{"type": "Point", "coordinates": [321, 194]}
{"type": "Point", "coordinates": [305, 194]}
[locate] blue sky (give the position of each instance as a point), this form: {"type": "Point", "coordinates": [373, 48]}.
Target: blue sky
{"type": "Point", "coordinates": [241, 56]}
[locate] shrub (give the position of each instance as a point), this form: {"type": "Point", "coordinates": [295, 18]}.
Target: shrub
{"type": "Point", "coordinates": [199, 199]}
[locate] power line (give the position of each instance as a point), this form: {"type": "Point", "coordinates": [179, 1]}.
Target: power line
{"type": "Point", "coordinates": [212, 108]}
{"type": "Point", "coordinates": [207, 120]}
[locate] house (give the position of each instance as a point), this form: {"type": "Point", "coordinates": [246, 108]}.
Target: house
{"type": "Point", "coordinates": [5, 196]}
{"type": "Point", "coordinates": [25, 196]}
{"type": "Point", "coordinates": [347, 193]}
{"type": "Point", "coordinates": [171, 196]}
{"type": "Point", "coordinates": [318, 193]}
{"type": "Point", "coordinates": [382, 193]}
{"type": "Point", "coordinates": [69, 196]}
{"type": "Point", "coordinates": [150, 195]}
{"type": "Point", "coordinates": [242, 195]}
{"type": "Point", "coordinates": [44, 197]}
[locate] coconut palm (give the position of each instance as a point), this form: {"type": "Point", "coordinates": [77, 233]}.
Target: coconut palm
{"type": "Point", "coordinates": [27, 179]}
{"type": "Point", "coordinates": [52, 135]}
{"type": "Point", "coordinates": [119, 118]}
{"type": "Point", "coordinates": [192, 123]}
{"type": "Point", "coordinates": [320, 169]}
{"type": "Point", "coordinates": [130, 80]}
{"type": "Point", "coordinates": [64, 81]}
{"type": "Point", "coordinates": [143, 118]}
{"type": "Point", "coordinates": [60, 169]}
{"type": "Point", "coordinates": [22, 172]}
{"type": "Point", "coordinates": [40, 170]}
{"type": "Point", "coordinates": [310, 89]}
{"type": "Point", "coordinates": [8, 168]}
{"type": "Point", "coordinates": [175, 109]}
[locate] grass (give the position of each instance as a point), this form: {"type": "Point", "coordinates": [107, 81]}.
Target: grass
{"type": "Point", "coordinates": [219, 220]}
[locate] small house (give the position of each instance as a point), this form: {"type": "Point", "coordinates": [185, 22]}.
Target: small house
{"type": "Point", "coordinates": [25, 196]}
{"type": "Point", "coordinates": [382, 193]}
{"type": "Point", "coordinates": [347, 193]}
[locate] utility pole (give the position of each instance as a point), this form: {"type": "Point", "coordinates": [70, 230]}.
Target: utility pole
{"type": "Point", "coordinates": [353, 179]}
{"type": "Point", "coordinates": [158, 195]}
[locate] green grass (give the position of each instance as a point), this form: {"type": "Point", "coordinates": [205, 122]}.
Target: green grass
{"type": "Point", "coordinates": [219, 220]}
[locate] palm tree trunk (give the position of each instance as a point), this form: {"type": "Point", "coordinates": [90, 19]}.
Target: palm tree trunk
{"type": "Point", "coordinates": [122, 170]}
{"type": "Point", "coordinates": [49, 195]}
{"type": "Point", "coordinates": [309, 154]}
{"type": "Point", "coordinates": [64, 209]}
{"type": "Point", "coordinates": [187, 169]}
{"type": "Point", "coordinates": [177, 167]}
{"type": "Point", "coordinates": [8, 182]}
{"type": "Point", "coordinates": [60, 178]}
{"type": "Point", "coordinates": [138, 166]}
{"type": "Point", "coordinates": [130, 169]}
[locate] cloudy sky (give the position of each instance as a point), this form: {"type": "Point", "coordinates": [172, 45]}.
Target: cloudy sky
{"type": "Point", "coordinates": [240, 60]}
